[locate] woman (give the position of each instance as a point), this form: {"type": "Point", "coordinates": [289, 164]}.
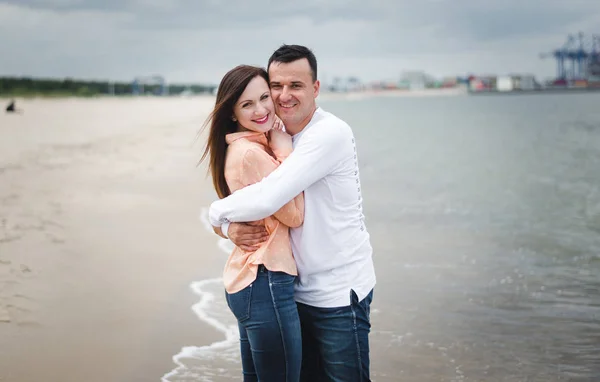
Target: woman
{"type": "Point", "coordinates": [243, 149]}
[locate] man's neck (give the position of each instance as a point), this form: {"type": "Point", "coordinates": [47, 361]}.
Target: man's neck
{"type": "Point", "coordinates": [293, 130]}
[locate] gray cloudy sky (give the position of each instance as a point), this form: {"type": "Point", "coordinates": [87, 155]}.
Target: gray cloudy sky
{"type": "Point", "coordinates": [199, 40]}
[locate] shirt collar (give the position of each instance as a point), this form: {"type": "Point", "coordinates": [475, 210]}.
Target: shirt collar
{"type": "Point", "coordinates": [252, 136]}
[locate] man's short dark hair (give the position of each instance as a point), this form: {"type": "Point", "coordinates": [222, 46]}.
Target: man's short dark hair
{"type": "Point", "coordinates": [291, 53]}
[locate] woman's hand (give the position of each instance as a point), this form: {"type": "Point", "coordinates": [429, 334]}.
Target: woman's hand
{"type": "Point", "coordinates": [278, 124]}
{"type": "Point", "coordinates": [280, 141]}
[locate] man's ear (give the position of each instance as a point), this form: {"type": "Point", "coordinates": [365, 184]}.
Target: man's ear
{"type": "Point", "coordinates": [317, 87]}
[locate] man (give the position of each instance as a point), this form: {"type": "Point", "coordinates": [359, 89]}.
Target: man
{"type": "Point", "coordinates": [332, 249]}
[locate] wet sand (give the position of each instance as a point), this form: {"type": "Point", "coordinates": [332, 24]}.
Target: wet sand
{"type": "Point", "coordinates": [100, 238]}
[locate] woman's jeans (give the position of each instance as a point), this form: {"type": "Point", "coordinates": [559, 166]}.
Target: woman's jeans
{"type": "Point", "coordinates": [270, 337]}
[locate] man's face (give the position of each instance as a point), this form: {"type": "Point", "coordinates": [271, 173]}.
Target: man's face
{"type": "Point", "coordinates": [293, 92]}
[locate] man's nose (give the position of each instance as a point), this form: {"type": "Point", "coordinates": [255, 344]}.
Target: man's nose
{"type": "Point", "coordinates": [285, 93]}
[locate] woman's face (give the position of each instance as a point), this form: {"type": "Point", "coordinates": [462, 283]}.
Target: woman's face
{"type": "Point", "coordinates": [254, 110]}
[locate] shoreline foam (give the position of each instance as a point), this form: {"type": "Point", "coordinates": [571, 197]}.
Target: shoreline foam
{"type": "Point", "coordinates": [203, 311]}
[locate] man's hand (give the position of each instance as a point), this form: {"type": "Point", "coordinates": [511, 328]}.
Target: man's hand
{"type": "Point", "coordinates": [248, 236]}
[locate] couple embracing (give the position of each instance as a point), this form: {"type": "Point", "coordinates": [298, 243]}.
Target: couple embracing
{"type": "Point", "coordinates": [300, 279]}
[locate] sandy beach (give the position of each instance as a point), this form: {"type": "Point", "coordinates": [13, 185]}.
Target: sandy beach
{"type": "Point", "coordinates": [100, 238]}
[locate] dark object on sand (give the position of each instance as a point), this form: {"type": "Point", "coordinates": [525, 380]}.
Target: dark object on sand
{"type": "Point", "coordinates": [11, 107]}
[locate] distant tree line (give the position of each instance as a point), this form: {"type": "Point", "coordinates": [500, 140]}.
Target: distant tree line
{"type": "Point", "coordinates": [25, 86]}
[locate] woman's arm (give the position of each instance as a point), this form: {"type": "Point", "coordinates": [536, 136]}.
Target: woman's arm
{"type": "Point", "coordinates": [258, 164]}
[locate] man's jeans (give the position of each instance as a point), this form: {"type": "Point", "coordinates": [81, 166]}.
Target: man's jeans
{"type": "Point", "coordinates": [335, 341]}
{"type": "Point", "coordinates": [270, 339]}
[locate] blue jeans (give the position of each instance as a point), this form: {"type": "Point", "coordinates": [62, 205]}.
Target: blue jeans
{"type": "Point", "coordinates": [270, 339]}
{"type": "Point", "coordinates": [335, 341]}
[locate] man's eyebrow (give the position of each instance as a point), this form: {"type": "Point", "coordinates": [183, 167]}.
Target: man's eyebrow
{"type": "Point", "coordinates": [293, 83]}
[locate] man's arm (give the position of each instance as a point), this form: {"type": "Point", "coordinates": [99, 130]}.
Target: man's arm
{"type": "Point", "coordinates": [315, 156]}
{"type": "Point", "coordinates": [257, 165]}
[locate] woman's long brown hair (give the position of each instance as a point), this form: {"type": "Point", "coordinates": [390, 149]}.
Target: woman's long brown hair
{"type": "Point", "coordinates": [221, 121]}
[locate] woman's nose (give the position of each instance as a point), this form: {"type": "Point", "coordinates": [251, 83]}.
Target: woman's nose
{"type": "Point", "coordinates": [260, 110]}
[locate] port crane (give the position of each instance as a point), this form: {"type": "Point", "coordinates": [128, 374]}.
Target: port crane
{"type": "Point", "coordinates": [574, 57]}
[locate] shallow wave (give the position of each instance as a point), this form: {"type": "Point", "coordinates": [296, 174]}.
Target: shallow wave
{"type": "Point", "coordinates": [219, 359]}
{"type": "Point", "coordinates": [203, 363]}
